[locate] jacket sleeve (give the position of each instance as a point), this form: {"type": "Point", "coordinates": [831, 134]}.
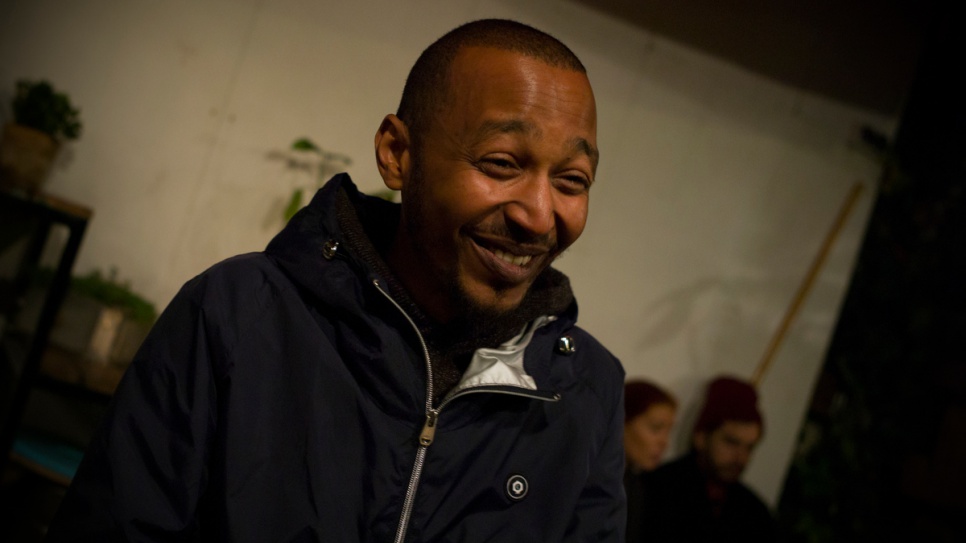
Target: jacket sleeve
{"type": "Point", "coordinates": [144, 472]}
{"type": "Point", "coordinates": [601, 513]}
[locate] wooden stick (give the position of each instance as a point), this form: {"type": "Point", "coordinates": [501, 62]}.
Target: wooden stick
{"type": "Point", "coordinates": [806, 285]}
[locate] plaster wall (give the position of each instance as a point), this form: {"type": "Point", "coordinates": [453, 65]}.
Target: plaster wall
{"type": "Point", "coordinates": [715, 190]}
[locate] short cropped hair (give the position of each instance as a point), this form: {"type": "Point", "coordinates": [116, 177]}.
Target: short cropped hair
{"type": "Point", "coordinates": [427, 86]}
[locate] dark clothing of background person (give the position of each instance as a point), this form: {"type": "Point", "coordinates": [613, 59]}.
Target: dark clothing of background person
{"type": "Point", "coordinates": [676, 508]}
{"type": "Point", "coordinates": [281, 397]}
{"type": "Point", "coordinates": [634, 488]}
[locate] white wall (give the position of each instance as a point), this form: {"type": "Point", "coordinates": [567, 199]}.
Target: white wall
{"type": "Point", "coordinates": [715, 190]}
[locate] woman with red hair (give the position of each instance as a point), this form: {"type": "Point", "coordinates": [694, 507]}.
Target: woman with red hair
{"type": "Point", "coordinates": [649, 413]}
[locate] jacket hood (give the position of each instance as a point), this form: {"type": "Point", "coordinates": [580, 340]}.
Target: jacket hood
{"type": "Point", "coordinates": [306, 248]}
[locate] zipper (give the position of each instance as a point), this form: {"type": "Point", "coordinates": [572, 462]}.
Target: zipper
{"type": "Point", "coordinates": [428, 433]}
{"type": "Point", "coordinates": [429, 428]}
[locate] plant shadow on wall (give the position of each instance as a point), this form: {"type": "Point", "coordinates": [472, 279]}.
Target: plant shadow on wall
{"type": "Point", "coordinates": [715, 317]}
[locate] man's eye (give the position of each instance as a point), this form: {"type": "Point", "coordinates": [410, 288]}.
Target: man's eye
{"type": "Point", "coordinates": [575, 183]}
{"type": "Point", "coordinates": [498, 163]}
{"type": "Point", "coordinates": [499, 167]}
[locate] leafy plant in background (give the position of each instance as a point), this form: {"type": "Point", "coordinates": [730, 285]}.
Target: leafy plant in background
{"type": "Point", "coordinates": [321, 163]}
{"type": "Point", "coordinates": [112, 292]}
{"type": "Point", "coordinates": [38, 105]}
{"type": "Point", "coordinates": [107, 290]}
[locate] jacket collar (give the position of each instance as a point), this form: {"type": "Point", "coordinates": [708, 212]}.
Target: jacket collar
{"type": "Point", "coordinates": [360, 227]}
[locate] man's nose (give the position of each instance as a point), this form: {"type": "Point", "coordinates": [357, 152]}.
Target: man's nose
{"type": "Point", "coordinates": [531, 205]}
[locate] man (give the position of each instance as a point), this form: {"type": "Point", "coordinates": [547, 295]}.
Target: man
{"type": "Point", "coordinates": [699, 496]}
{"type": "Point", "coordinates": [386, 372]}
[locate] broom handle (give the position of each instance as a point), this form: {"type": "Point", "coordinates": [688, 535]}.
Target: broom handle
{"type": "Point", "coordinates": [806, 285]}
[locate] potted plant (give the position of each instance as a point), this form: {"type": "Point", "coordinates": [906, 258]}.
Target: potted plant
{"type": "Point", "coordinates": [98, 329]}
{"type": "Point", "coordinates": [42, 119]}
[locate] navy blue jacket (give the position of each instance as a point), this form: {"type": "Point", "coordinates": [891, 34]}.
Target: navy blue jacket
{"type": "Point", "coordinates": [282, 396]}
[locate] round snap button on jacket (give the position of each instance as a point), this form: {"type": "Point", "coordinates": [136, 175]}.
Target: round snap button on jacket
{"type": "Point", "coordinates": [517, 487]}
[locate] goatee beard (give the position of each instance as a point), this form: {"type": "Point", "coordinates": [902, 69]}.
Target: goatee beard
{"type": "Point", "coordinates": [472, 317]}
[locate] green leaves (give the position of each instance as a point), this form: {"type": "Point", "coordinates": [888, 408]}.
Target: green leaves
{"type": "Point", "coordinates": [305, 144]}
{"type": "Point", "coordinates": [39, 106]}
{"type": "Point", "coordinates": [321, 166]}
{"type": "Point", "coordinates": [294, 204]}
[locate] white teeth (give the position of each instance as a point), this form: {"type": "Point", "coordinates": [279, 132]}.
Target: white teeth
{"type": "Point", "coordinates": [512, 259]}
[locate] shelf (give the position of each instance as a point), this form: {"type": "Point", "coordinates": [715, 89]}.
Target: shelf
{"type": "Point", "coordinates": [29, 223]}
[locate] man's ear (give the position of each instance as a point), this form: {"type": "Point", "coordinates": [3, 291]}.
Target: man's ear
{"type": "Point", "coordinates": [393, 157]}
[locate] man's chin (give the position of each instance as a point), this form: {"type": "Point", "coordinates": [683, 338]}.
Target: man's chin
{"type": "Point", "coordinates": [484, 304]}
{"type": "Point", "coordinates": [730, 476]}
{"type": "Point", "coordinates": [493, 301]}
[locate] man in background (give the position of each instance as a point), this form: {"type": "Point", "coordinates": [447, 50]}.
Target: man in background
{"type": "Point", "coordinates": [699, 497]}
{"type": "Point", "coordinates": [386, 372]}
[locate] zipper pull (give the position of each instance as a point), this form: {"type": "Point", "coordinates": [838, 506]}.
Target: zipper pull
{"type": "Point", "coordinates": [429, 429]}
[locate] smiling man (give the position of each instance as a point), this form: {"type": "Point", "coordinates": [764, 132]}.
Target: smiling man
{"type": "Point", "coordinates": [390, 372]}
{"type": "Point", "coordinates": [496, 184]}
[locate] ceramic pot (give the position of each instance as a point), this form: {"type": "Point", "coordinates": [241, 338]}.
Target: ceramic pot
{"type": "Point", "coordinates": [26, 155]}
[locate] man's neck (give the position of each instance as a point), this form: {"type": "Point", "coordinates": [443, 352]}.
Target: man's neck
{"type": "Point", "coordinates": [430, 294]}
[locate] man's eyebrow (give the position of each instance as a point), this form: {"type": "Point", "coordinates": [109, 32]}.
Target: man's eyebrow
{"type": "Point", "coordinates": [490, 128]}
{"type": "Point", "coordinates": [585, 147]}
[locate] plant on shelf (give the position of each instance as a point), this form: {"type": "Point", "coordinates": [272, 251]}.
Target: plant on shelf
{"type": "Point", "coordinates": [101, 317]}
{"type": "Point", "coordinates": [114, 293]}
{"type": "Point", "coordinates": [42, 119]}
{"type": "Point", "coordinates": [38, 105]}
{"type": "Point", "coordinates": [117, 318]}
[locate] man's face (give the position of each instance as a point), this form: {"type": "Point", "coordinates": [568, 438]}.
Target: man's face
{"type": "Point", "coordinates": [500, 184]}
{"type": "Point", "coordinates": [724, 452]}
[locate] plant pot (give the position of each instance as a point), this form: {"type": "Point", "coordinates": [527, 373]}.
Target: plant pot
{"type": "Point", "coordinates": [26, 156]}
{"type": "Point", "coordinates": [90, 329]}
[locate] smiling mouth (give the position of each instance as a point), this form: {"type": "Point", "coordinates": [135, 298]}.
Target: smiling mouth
{"type": "Point", "coordinates": [510, 258]}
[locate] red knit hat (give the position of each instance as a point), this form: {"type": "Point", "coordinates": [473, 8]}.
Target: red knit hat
{"type": "Point", "coordinates": [727, 399]}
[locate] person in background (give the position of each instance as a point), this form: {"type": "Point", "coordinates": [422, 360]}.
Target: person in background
{"type": "Point", "coordinates": [389, 372]}
{"type": "Point", "coordinates": [699, 497]}
{"type": "Point", "coordinates": [649, 413]}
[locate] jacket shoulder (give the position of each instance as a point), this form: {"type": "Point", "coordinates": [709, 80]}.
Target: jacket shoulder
{"type": "Point", "coordinates": [598, 360]}
{"type": "Point", "coordinates": [231, 296]}
{"type": "Point", "coordinates": [591, 365]}
{"type": "Point", "coordinates": [243, 279]}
